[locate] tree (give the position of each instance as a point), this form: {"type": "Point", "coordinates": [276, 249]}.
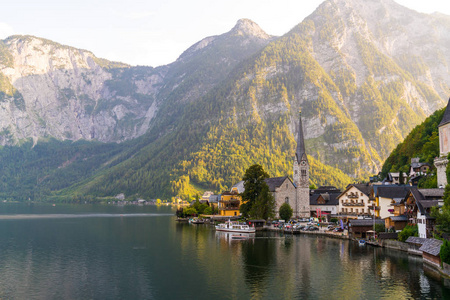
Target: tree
{"type": "Point", "coordinates": [264, 207]}
{"type": "Point", "coordinates": [190, 211]}
{"type": "Point", "coordinates": [208, 211]}
{"type": "Point", "coordinates": [253, 183]}
{"type": "Point", "coordinates": [380, 228]}
{"type": "Point", "coordinates": [286, 211]}
{"type": "Point", "coordinates": [445, 252]}
{"type": "Point", "coordinates": [401, 179]}
{"type": "Point", "coordinates": [409, 230]}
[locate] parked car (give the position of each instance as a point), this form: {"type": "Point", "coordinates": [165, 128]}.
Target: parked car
{"type": "Point", "coordinates": [338, 229]}
{"type": "Point", "coordinates": [313, 228]}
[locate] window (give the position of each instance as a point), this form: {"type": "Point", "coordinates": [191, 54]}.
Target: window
{"type": "Point", "coordinates": [303, 172]}
{"type": "Point", "coordinates": [286, 200]}
{"type": "Point", "coordinates": [296, 172]}
{"type": "Point", "coordinates": [287, 185]}
{"type": "Point", "coordinates": [361, 194]}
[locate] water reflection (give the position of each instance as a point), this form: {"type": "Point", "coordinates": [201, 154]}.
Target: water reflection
{"type": "Point", "coordinates": [156, 258]}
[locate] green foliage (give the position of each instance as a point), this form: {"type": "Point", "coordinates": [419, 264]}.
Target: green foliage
{"type": "Point", "coordinates": [445, 252]}
{"type": "Point", "coordinates": [409, 230]}
{"type": "Point", "coordinates": [208, 211]}
{"type": "Point", "coordinates": [422, 142]}
{"type": "Point", "coordinates": [285, 211]}
{"type": "Point", "coordinates": [312, 186]}
{"type": "Point", "coordinates": [190, 211]}
{"type": "Point", "coordinates": [256, 193]}
{"type": "Point", "coordinates": [264, 207]}
{"type": "Point", "coordinates": [380, 228]}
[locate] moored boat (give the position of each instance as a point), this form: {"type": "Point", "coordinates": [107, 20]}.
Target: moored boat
{"type": "Point", "coordinates": [362, 242]}
{"type": "Point", "coordinates": [232, 226]}
{"type": "Point", "coordinates": [197, 221]}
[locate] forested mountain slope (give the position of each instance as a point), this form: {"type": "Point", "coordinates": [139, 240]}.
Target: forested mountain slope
{"type": "Point", "coordinates": [363, 73]}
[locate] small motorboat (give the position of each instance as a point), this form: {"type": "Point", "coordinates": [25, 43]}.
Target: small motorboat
{"type": "Point", "coordinates": [362, 242]}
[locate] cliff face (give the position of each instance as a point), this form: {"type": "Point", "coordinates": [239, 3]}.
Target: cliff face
{"type": "Point", "coordinates": [63, 92]}
{"type": "Point", "coordinates": [51, 90]}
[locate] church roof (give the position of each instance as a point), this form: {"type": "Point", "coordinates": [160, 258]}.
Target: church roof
{"type": "Point", "coordinates": [446, 117]}
{"type": "Point", "coordinates": [300, 153]}
{"type": "Point", "coordinates": [275, 182]}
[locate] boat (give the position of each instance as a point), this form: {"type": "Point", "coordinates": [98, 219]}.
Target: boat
{"type": "Point", "coordinates": [362, 242]}
{"type": "Point", "coordinates": [233, 226]}
{"type": "Point", "coordinates": [183, 220]}
{"type": "Point", "coordinates": [197, 221]}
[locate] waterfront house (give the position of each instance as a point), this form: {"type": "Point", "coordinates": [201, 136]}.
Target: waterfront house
{"type": "Point", "coordinates": [214, 201]}
{"type": "Point", "coordinates": [431, 249]}
{"type": "Point", "coordinates": [396, 222]}
{"type": "Point", "coordinates": [358, 228]}
{"type": "Point", "coordinates": [418, 204]}
{"type": "Point", "coordinates": [324, 201]}
{"type": "Point", "coordinates": [354, 202]}
{"type": "Point", "coordinates": [386, 197]}
{"type": "Point", "coordinates": [414, 244]}
{"type": "Point", "coordinates": [230, 202]}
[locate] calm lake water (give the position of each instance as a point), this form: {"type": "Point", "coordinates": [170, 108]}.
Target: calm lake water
{"type": "Point", "coordinates": [131, 252]}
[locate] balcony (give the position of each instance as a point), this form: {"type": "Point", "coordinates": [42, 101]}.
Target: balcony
{"type": "Point", "coordinates": [229, 208]}
{"type": "Point", "coordinates": [354, 214]}
{"type": "Point", "coordinates": [352, 204]}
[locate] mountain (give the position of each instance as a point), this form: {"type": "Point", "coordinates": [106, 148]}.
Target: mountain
{"type": "Point", "coordinates": [364, 73]}
{"type": "Point", "coordinates": [422, 142]}
{"type": "Point", "coordinates": [52, 90]}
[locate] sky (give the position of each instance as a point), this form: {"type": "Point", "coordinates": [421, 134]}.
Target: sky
{"type": "Point", "coordinates": [156, 32]}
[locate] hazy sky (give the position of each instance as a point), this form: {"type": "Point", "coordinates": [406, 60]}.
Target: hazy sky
{"type": "Point", "coordinates": [155, 32]}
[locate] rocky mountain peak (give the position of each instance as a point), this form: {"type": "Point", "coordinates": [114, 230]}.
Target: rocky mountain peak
{"type": "Point", "coordinates": [246, 27]}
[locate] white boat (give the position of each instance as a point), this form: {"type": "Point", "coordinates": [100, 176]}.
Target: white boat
{"type": "Point", "coordinates": [362, 242]}
{"type": "Point", "coordinates": [235, 227]}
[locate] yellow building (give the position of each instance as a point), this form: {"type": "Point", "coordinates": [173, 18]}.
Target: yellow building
{"type": "Point", "coordinates": [229, 203]}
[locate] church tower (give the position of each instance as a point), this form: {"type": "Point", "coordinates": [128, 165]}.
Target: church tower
{"type": "Point", "coordinates": [444, 148]}
{"type": "Point", "coordinates": [301, 176]}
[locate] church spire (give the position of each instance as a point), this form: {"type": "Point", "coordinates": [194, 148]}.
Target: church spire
{"type": "Point", "coordinates": [300, 153]}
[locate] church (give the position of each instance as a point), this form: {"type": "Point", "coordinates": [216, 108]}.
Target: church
{"type": "Point", "coordinates": [444, 148]}
{"type": "Point", "coordinates": [296, 192]}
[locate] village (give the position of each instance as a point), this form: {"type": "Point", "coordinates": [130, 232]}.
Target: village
{"type": "Point", "coordinates": [388, 212]}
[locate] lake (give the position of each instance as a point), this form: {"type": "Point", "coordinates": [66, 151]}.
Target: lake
{"type": "Point", "coordinates": [134, 252]}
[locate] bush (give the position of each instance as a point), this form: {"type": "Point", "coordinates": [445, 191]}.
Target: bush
{"type": "Point", "coordinates": [380, 228]}
{"type": "Point", "coordinates": [445, 252]}
{"type": "Point", "coordinates": [409, 230]}
{"type": "Point", "coordinates": [285, 211]}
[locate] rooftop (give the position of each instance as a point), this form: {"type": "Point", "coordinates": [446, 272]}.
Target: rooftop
{"type": "Point", "coordinates": [431, 246]}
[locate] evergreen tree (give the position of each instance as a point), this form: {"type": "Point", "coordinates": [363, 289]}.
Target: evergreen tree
{"type": "Point", "coordinates": [264, 207]}
{"type": "Point", "coordinates": [254, 188]}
